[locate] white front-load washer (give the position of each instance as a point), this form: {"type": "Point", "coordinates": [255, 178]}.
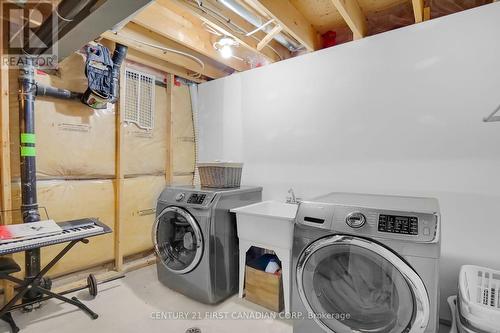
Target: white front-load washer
{"type": "Point", "coordinates": [366, 263]}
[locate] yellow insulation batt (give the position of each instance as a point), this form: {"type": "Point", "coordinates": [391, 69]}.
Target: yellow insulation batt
{"type": "Point", "coordinates": [72, 140]}
{"type": "Point", "coordinates": [182, 132]}
{"type": "Point", "coordinates": [67, 200]}
{"type": "Point", "coordinates": [139, 204]}
{"type": "Point", "coordinates": [72, 199]}
{"type": "Point", "coordinates": [145, 151]}
{"type": "Point", "coordinates": [76, 142]}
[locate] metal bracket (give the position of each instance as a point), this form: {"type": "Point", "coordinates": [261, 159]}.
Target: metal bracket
{"type": "Point", "coordinates": [492, 117]}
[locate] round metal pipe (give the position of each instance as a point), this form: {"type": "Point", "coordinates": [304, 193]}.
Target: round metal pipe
{"type": "Point", "coordinates": [233, 5]}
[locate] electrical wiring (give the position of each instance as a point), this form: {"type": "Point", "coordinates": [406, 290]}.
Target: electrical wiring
{"type": "Point", "coordinates": [166, 49]}
{"type": "Point", "coordinates": [211, 30]}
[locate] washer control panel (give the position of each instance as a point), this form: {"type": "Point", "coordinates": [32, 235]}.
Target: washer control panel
{"type": "Point", "coordinates": [419, 227]}
{"type": "Point", "coordinates": [196, 198]}
{"type": "Point", "coordinates": [406, 225]}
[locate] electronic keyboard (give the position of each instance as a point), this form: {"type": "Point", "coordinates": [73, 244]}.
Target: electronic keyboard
{"type": "Point", "coordinates": [71, 230]}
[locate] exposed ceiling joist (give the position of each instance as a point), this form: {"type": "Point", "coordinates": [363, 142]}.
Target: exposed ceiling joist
{"type": "Point", "coordinates": [171, 21]}
{"type": "Point", "coordinates": [153, 62]}
{"type": "Point", "coordinates": [427, 13]}
{"type": "Point", "coordinates": [274, 52]}
{"type": "Point", "coordinates": [292, 21]}
{"type": "Point", "coordinates": [418, 10]}
{"type": "Point", "coordinates": [353, 16]}
{"type": "Point", "coordinates": [137, 37]}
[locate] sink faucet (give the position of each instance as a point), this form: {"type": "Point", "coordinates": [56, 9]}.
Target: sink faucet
{"type": "Point", "coordinates": [292, 199]}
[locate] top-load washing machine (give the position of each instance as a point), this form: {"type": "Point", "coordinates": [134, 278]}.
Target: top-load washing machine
{"type": "Point", "coordinates": [196, 242]}
{"type": "Point", "coordinates": [366, 263]}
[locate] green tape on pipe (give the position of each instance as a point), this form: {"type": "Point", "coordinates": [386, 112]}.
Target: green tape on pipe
{"type": "Point", "coordinates": [28, 151]}
{"type": "Point", "coordinates": [28, 138]}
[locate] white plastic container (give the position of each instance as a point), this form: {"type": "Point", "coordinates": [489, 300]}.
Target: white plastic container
{"type": "Point", "coordinates": [479, 299]}
{"type": "Point", "coordinates": [220, 174]}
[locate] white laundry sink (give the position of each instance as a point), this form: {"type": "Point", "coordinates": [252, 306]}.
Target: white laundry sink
{"type": "Point", "coordinates": [267, 223]}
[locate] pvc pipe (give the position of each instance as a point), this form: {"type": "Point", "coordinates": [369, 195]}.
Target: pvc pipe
{"type": "Point", "coordinates": [29, 204]}
{"type": "Point", "coordinates": [42, 90]}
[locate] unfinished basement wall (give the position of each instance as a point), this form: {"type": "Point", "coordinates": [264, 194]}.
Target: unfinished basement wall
{"type": "Point", "coordinates": [396, 113]}
{"type": "Point", "coordinates": [76, 154]}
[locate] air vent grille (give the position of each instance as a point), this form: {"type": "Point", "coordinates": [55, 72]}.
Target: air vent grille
{"type": "Point", "coordinates": [139, 99]}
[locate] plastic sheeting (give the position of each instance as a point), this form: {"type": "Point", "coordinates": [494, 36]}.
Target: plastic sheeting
{"type": "Point", "coordinates": [391, 18]}
{"type": "Point", "coordinates": [402, 14]}
{"type": "Point", "coordinates": [446, 7]}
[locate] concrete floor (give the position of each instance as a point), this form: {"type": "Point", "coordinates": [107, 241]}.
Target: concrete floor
{"type": "Point", "coordinates": [139, 303]}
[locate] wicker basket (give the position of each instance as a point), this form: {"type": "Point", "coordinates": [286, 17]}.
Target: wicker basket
{"type": "Point", "coordinates": [220, 174]}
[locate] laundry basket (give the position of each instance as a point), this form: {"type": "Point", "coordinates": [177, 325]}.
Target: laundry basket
{"type": "Point", "coordinates": [479, 298]}
{"type": "Point", "coordinates": [220, 174]}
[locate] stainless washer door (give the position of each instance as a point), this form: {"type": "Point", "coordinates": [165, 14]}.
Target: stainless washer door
{"type": "Point", "coordinates": [178, 240]}
{"type": "Point", "coordinates": [350, 284]}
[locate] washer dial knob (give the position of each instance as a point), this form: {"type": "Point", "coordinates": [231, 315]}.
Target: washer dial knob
{"type": "Point", "coordinates": [180, 196]}
{"type": "Point", "coordinates": [355, 220]}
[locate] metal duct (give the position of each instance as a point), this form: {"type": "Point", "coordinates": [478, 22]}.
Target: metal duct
{"type": "Point", "coordinates": [79, 22]}
{"type": "Point", "coordinates": [62, 19]}
{"type": "Point", "coordinates": [233, 5]}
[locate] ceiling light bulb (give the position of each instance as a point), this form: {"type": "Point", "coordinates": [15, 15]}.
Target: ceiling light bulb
{"type": "Point", "coordinates": [226, 51]}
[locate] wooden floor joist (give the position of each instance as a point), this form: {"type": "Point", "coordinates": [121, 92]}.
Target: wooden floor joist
{"type": "Point", "coordinates": [418, 10]}
{"type": "Point", "coordinates": [427, 13]}
{"type": "Point", "coordinates": [353, 16]}
{"type": "Point", "coordinates": [178, 24]}
{"type": "Point", "coordinates": [274, 52]}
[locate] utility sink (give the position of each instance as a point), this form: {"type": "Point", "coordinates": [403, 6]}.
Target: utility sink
{"type": "Point", "coordinates": [267, 223]}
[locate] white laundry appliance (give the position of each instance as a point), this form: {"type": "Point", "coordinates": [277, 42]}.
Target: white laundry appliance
{"type": "Point", "coordinates": [366, 263]}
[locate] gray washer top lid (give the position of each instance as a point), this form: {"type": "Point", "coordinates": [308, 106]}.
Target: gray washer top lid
{"type": "Point", "coordinates": [378, 201]}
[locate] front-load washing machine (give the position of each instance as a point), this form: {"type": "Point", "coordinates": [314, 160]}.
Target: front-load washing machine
{"type": "Point", "coordinates": [366, 263]}
{"type": "Point", "coordinates": [195, 240]}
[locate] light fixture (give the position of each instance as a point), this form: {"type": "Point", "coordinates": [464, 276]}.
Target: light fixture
{"type": "Point", "coordinates": [225, 46]}
{"type": "Point", "coordinates": [226, 52]}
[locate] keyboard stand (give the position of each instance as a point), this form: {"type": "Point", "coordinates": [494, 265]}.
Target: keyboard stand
{"type": "Point", "coordinates": [34, 284]}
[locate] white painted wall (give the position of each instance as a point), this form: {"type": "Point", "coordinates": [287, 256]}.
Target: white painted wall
{"type": "Point", "coordinates": [396, 113]}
